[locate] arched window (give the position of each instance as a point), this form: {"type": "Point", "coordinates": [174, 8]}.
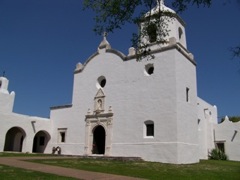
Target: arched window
{"type": "Point", "coordinates": [180, 33]}
{"type": "Point", "coordinates": [149, 128]}
{"type": "Point", "coordinates": [152, 32]}
{"type": "Point", "coordinates": [62, 135]}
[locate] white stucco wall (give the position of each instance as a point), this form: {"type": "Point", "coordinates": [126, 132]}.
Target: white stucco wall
{"type": "Point", "coordinates": [229, 133]}
{"type": "Point", "coordinates": [70, 120]}
{"type": "Point", "coordinates": [22, 125]}
{"type": "Point", "coordinates": [207, 118]}
{"type": "Point", "coordinates": [186, 89]}
{"type": "Point", "coordinates": [30, 126]}
{"type": "Point", "coordinates": [135, 97]}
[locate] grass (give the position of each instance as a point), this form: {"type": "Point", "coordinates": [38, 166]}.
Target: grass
{"type": "Point", "coordinates": [10, 173]}
{"type": "Point", "coordinates": [207, 169]}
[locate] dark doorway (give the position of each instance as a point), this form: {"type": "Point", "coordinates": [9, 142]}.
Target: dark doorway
{"type": "Point", "coordinates": [40, 142]}
{"type": "Point", "coordinates": [14, 139]}
{"type": "Point", "coordinates": [34, 144]}
{"type": "Point", "coordinates": [99, 136]}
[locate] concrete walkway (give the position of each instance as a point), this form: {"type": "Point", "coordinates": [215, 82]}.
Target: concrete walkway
{"type": "Point", "coordinates": [20, 162]}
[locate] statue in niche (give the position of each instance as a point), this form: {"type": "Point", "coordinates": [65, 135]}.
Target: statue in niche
{"type": "Point", "coordinates": [99, 104]}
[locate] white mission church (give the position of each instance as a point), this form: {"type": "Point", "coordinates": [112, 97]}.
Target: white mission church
{"type": "Point", "coordinates": [128, 108]}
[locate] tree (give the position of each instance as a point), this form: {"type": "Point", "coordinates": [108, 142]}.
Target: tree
{"type": "Point", "coordinates": [235, 51]}
{"type": "Point", "coordinates": [113, 14]}
{"type": "Point", "coordinates": [232, 118]}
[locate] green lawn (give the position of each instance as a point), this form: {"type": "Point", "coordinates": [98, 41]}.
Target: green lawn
{"type": "Point", "coordinates": [208, 169]}
{"type": "Point", "coordinates": [11, 173]}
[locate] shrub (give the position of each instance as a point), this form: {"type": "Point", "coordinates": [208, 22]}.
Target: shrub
{"type": "Point", "coordinates": [217, 154]}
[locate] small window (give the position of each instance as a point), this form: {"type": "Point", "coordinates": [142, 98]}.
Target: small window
{"type": "Point", "coordinates": [149, 129]}
{"type": "Point", "coordinates": [42, 141]}
{"type": "Point", "coordinates": [180, 33]}
{"type": "Point", "coordinates": [187, 94]}
{"type": "Point", "coordinates": [0, 84]}
{"type": "Point", "coordinates": [62, 135]}
{"type": "Point", "coordinates": [152, 32]}
{"type": "Point", "coordinates": [220, 146]}
{"type": "Point", "coordinates": [101, 82]}
{"type": "Point", "coordinates": [149, 69]}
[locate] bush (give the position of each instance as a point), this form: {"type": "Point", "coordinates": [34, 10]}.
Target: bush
{"type": "Point", "coordinates": [217, 154]}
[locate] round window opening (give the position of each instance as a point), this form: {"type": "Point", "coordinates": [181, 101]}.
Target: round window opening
{"type": "Point", "coordinates": [149, 69]}
{"type": "Point", "coordinates": [101, 82]}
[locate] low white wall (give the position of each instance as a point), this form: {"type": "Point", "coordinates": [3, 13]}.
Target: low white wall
{"type": "Point", "coordinates": [229, 133]}
{"type": "Point", "coordinates": [30, 126]}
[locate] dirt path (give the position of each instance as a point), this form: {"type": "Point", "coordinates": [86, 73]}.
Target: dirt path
{"type": "Point", "coordinates": [67, 172]}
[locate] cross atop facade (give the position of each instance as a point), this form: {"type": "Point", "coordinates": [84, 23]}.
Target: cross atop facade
{"type": "Point", "coordinates": [105, 34]}
{"type": "Point", "coordinates": [160, 2]}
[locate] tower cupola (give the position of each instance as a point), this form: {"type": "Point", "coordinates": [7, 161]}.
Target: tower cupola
{"type": "Point", "coordinates": [161, 24]}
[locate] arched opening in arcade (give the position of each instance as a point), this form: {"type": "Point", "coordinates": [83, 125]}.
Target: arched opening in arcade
{"type": "Point", "coordinates": [14, 139]}
{"type": "Point", "coordinates": [99, 138]}
{"type": "Point", "coordinates": [40, 141]}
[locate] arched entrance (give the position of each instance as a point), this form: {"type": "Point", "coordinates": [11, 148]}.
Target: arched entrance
{"type": "Point", "coordinates": [14, 139]}
{"type": "Point", "coordinates": [40, 141]}
{"type": "Point", "coordinates": [99, 138]}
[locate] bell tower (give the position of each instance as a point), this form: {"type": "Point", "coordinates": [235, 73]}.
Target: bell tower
{"type": "Point", "coordinates": [176, 84]}
{"type": "Point", "coordinates": [160, 26]}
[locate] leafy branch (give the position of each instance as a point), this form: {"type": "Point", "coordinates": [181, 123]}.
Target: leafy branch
{"type": "Point", "coordinates": [114, 14]}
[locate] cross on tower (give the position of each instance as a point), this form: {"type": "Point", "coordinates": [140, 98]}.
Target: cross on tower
{"type": "Point", "coordinates": [160, 2]}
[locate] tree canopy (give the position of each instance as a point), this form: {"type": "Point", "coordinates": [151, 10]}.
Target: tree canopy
{"type": "Point", "coordinates": [113, 14]}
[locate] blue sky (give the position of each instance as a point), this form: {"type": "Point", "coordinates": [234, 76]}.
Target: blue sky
{"type": "Point", "coordinates": [41, 41]}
